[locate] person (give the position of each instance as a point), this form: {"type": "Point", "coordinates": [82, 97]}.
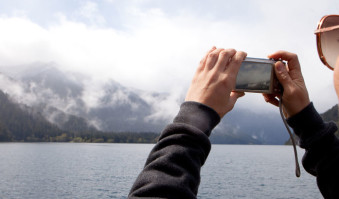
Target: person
{"type": "Point", "coordinates": [321, 157]}
{"type": "Point", "coordinates": [172, 169]}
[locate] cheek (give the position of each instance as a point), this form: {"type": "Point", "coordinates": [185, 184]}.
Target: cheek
{"type": "Point", "coordinates": [337, 63]}
{"type": "Point", "coordinates": [336, 79]}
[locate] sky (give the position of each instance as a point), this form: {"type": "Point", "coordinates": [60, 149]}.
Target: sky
{"type": "Point", "coordinates": [156, 45]}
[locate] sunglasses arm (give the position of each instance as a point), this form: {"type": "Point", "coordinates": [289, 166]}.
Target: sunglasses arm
{"type": "Point", "coordinates": [326, 29]}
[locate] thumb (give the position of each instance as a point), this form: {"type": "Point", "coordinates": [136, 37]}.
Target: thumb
{"type": "Point", "coordinates": [282, 74]}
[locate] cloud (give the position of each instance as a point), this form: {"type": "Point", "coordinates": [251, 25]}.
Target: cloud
{"type": "Point", "coordinates": [158, 46]}
{"type": "Point", "coordinates": [12, 88]}
{"type": "Point", "coordinates": [164, 108]}
{"type": "Point", "coordinates": [90, 12]}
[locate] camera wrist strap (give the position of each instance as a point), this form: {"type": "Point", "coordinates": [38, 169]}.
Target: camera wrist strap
{"type": "Point", "coordinates": [297, 167]}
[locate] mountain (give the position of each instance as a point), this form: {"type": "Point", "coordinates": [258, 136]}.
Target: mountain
{"type": "Point", "coordinates": [332, 115]}
{"type": "Point", "coordinates": [122, 109]}
{"type": "Point", "coordinates": [21, 123]}
{"type": "Point", "coordinates": [17, 124]}
{"type": "Point", "coordinates": [266, 128]}
{"type": "Point", "coordinates": [76, 103]}
{"type": "Point", "coordinates": [107, 107]}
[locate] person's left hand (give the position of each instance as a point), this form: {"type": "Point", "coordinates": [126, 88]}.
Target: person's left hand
{"type": "Point", "coordinates": [215, 78]}
{"type": "Point", "coordinates": [295, 96]}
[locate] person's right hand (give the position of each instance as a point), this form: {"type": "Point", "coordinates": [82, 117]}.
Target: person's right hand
{"type": "Point", "coordinates": [215, 79]}
{"type": "Point", "coordinates": [295, 96]}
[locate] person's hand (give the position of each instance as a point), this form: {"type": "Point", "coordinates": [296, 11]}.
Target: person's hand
{"type": "Point", "coordinates": [336, 77]}
{"type": "Point", "coordinates": [215, 78]}
{"type": "Point", "coordinates": [295, 96]}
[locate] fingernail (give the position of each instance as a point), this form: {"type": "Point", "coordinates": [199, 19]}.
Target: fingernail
{"type": "Point", "coordinates": [280, 66]}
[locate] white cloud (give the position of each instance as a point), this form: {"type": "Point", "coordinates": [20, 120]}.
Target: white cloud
{"type": "Point", "coordinates": [164, 108]}
{"type": "Point", "coordinates": [89, 10]}
{"type": "Point", "coordinates": [159, 51]}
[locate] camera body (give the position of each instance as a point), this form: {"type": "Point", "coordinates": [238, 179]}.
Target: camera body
{"type": "Point", "coordinates": [258, 76]}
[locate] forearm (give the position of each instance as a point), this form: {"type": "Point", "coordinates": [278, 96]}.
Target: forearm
{"type": "Point", "coordinates": [322, 149]}
{"type": "Point", "coordinates": [172, 169]}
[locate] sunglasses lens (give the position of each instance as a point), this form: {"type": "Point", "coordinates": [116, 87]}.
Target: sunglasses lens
{"type": "Point", "coordinates": [330, 41]}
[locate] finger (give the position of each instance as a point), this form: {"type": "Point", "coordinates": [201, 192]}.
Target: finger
{"type": "Point", "coordinates": [271, 99]}
{"type": "Point", "coordinates": [293, 65]}
{"type": "Point", "coordinates": [283, 75]}
{"type": "Point", "coordinates": [290, 57]}
{"type": "Point", "coordinates": [234, 65]}
{"type": "Point", "coordinates": [203, 60]}
{"type": "Point", "coordinates": [212, 58]}
{"type": "Point", "coordinates": [224, 58]}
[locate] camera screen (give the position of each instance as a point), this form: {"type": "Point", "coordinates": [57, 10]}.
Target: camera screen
{"type": "Point", "coordinates": [254, 76]}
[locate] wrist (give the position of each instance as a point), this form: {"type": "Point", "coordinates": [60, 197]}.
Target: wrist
{"type": "Point", "coordinates": [307, 121]}
{"type": "Point", "coordinates": [198, 115]}
{"type": "Point", "coordinates": [311, 129]}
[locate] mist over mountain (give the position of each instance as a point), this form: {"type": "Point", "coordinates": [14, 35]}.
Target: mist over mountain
{"type": "Point", "coordinates": [268, 128]}
{"type": "Point", "coordinates": [108, 106]}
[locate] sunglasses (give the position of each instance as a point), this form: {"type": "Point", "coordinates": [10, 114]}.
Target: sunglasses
{"type": "Point", "coordinates": [327, 35]}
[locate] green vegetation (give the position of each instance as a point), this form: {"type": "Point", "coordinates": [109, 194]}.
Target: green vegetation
{"type": "Point", "coordinates": [23, 124]}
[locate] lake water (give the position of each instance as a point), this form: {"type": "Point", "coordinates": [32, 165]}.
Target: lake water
{"type": "Point", "coordinates": [82, 170]}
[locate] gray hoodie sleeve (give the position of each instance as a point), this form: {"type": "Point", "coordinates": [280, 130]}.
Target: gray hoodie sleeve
{"type": "Point", "coordinates": [321, 157]}
{"type": "Point", "coordinates": [172, 169]}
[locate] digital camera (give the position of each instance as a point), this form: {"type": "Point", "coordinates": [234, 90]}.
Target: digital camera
{"type": "Point", "coordinates": [258, 76]}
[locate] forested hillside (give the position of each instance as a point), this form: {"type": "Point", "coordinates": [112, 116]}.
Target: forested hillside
{"type": "Point", "coordinates": [24, 124]}
{"type": "Point", "coordinates": [80, 105]}
{"type": "Point", "coordinates": [19, 125]}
